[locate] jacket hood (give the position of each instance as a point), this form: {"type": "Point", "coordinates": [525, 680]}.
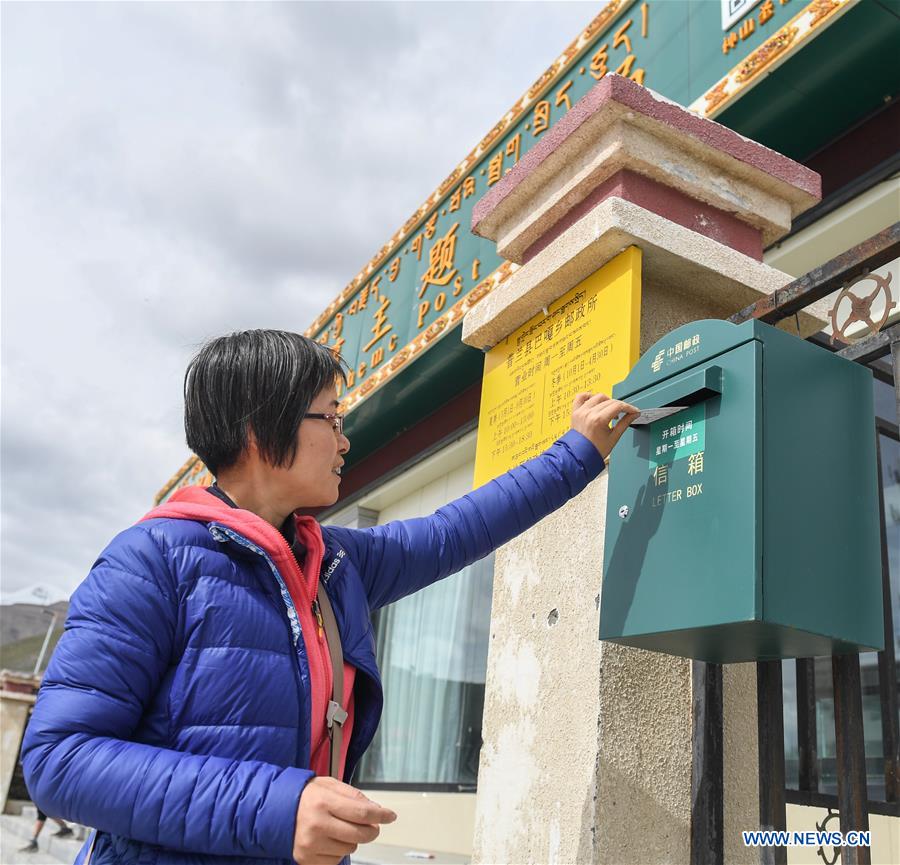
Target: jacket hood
{"type": "Point", "coordinates": [196, 503]}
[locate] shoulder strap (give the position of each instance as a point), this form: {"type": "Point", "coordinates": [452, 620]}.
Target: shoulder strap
{"type": "Point", "coordinates": [336, 715]}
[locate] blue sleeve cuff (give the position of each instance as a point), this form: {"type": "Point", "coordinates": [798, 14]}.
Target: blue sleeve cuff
{"type": "Point", "coordinates": [584, 450]}
{"type": "Point", "coordinates": [277, 819]}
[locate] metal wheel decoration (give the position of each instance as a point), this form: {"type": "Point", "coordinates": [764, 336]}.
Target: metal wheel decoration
{"type": "Point", "coordinates": [861, 307]}
{"type": "Point", "coordinates": [836, 851]}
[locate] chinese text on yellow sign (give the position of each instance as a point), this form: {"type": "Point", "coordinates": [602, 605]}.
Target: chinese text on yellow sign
{"type": "Point", "coordinates": [588, 341]}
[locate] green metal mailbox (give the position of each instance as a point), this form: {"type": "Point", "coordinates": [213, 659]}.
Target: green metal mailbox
{"type": "Point", "coordinates": [745, 526]}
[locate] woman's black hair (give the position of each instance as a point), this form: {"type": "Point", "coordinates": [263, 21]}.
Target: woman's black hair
{"type": "Point", "coordinates": [259, 380]}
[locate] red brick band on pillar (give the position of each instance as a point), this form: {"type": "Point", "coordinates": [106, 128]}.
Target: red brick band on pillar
{"type": "Point", "coordinates": [665, 201]}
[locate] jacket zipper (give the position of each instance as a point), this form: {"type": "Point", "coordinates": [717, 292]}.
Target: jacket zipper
{"type": "Point", "coordinates": [293, 621]}
{"type": "Point", "coordinates": [324, 655]}
{"type": "Point", "coordinates": [317, 612]}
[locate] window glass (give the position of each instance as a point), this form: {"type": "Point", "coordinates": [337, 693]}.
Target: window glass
{"type": "Point", "coordinates": [791, 746]}
{"type": "Point", "coordinates": [871, 695]}
{"type": "Point", "coordinates": [890, 479]}
{"type": "Point", "coordinates": [432, 652]}
{"type": "Point", "coordinates": [885, 400]}
{"type": "Point", "coordinates": [871, 706]}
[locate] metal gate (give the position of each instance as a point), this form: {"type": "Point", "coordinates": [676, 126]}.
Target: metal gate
{"type": "Point", "coordinates": [851, 804]}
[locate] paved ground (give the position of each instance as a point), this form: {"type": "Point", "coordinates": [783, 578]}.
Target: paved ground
{"type": "Point", "coordinates": [384, 854]}
{"type": "Point", "coordinates": [16, 830]}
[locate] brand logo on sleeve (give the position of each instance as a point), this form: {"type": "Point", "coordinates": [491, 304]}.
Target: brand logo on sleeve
{"type": "Point", "coordinates": [326, 575]}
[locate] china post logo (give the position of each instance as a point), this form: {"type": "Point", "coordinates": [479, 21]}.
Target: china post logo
{"type": "Point", "coordinates": [656, 366]}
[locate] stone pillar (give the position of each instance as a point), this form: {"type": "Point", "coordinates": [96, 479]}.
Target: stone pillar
{"type": "Point", "coordinates": [587, 746]}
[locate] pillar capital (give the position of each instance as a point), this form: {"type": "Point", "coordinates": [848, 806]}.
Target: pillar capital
{"type": "Point", "coordinates": [626, 166]}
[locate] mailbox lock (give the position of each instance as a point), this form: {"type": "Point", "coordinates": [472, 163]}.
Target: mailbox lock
{"type": "Point", "coordinates": [623, 511]}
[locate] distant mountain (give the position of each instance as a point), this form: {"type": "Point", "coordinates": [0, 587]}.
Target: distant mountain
{"type": "Point", "coordinates": [23, 628]}
{"type": "Point", "coordinates": [21, 621]}
{"type": "Point", "coordinates": [40, 594]}
{"type": "Point", "coordinates": [21, 656]}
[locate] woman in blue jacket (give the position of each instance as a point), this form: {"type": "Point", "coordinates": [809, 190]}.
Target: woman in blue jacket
{"type": "Point", "coordinates": [190, 711]}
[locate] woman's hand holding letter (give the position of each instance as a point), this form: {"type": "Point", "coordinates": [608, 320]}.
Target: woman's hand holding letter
{"type": "Point", "coordinates": [592, 415]}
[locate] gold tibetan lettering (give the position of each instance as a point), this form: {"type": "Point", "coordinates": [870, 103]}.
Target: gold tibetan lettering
{"type": "Point", "coordinates": [431, 225]}
{"type": "Point", "coordinates": [541, 119]}
{"type": "Point", "coordinates": [625, 66]}
{"type": "Point", "coordinates": [599, 61]}
{"type": "Point", "coordinates": [562, 96]}
{"type": "Point", "coordinates": [338, 326]}
{"type": "Point", "coordinates": [621, 36]}
{"type": "Point", "coordinates": [495, 168]}
{"type": "Point", "coordinates": [512, 147]}
{"type": "Point", "coordinates": [394, 271]}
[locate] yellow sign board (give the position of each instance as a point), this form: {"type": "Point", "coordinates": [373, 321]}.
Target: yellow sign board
{"type": "Point", "coordinates": [588, 341]}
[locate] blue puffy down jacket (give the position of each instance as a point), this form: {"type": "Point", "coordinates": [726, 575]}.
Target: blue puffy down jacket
{"type": "Point", "coordinates": [174, 714]}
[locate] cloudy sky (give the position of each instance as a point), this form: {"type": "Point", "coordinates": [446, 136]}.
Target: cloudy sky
{"type": "Point", "coordinates": [172, 171]}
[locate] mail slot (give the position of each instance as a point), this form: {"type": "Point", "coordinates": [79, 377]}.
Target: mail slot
{"type": "Point", "coordinates": [745, 526]}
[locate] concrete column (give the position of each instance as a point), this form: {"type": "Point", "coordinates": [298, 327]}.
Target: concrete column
{"type": "Point", "coordinates": [536, 781]}
{"type": "Point", "coordinates": [587, 746]}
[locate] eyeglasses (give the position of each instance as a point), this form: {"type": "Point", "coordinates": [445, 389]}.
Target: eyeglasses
{"type": "Point", "coordinates": [336, 420]}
